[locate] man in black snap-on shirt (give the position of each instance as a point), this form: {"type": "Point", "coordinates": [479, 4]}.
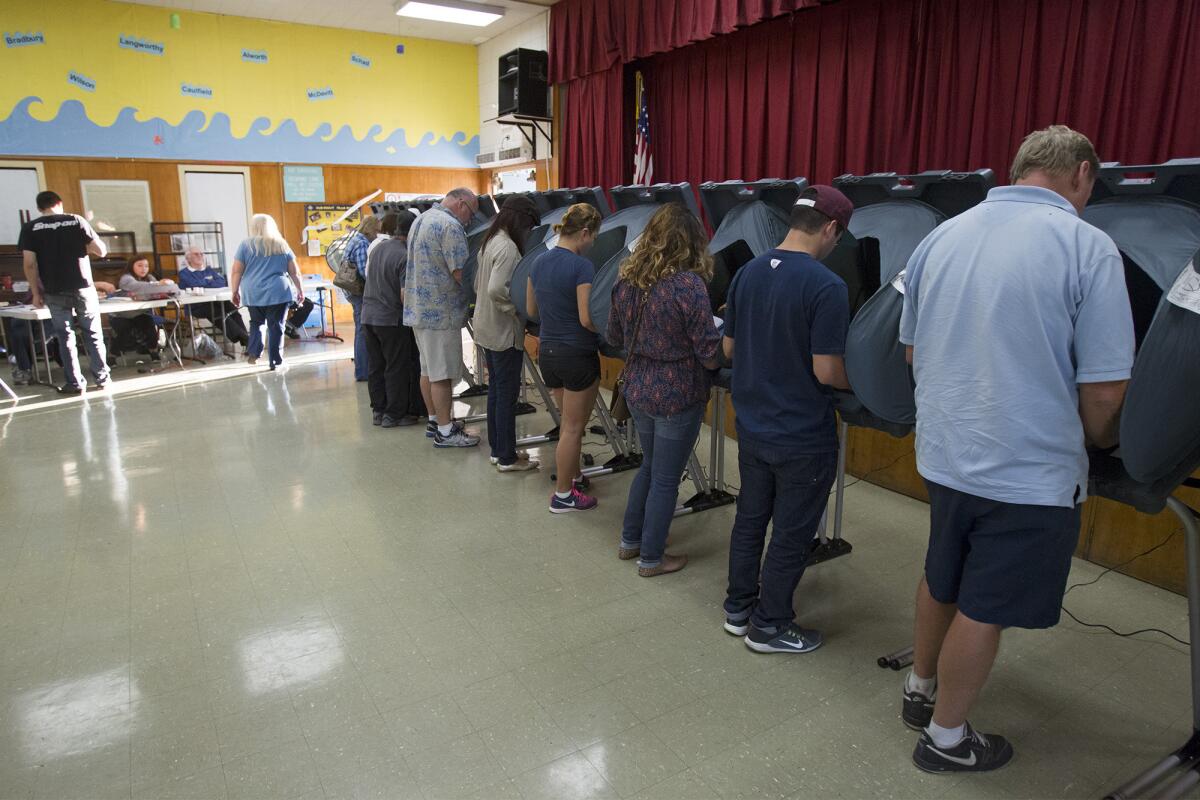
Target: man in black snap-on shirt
{"type": "Point", "coordinates": [56, 247]}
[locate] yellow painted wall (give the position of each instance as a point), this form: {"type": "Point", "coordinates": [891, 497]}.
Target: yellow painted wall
{"type": "Point", "coordinates": [415, 108]}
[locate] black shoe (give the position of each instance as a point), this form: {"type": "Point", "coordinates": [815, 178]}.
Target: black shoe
{"type": "Point", "coordinates": [735, 628]}
{"type": "Point", "coordinates": [291, 332]}
{"type": "Point", "coordinates": [792, 639]}
{"type": "Point", "coordinates": [975, 753]}
{"type": "Point", "coordinates": [377, 418]}
{"type": "Point", "coordinates": [397, 422]}
{"type": "Point", "coordinates": [68, 389]}
{"type": "Point", "coordinates": [917, 711]}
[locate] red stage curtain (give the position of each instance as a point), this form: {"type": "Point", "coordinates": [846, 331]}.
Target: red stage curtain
{"type": "Point", "coordinates": [589, 36]}
{"type": "Point", "coordinates": [907, 85]}
{"type": "Point", "coordinates": [593, 124]}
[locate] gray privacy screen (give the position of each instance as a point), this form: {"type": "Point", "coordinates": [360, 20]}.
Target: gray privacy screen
{"type": "Point", "coordinates": [613, 245]}
{"type": "Point", "coordinates": [875, 364]}
{"type": "Point", "coordinates": [746, 232]}
{"type": "Point", "coordinates": [1160, 424]}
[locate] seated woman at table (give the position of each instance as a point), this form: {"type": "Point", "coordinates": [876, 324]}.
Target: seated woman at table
{"type": "Point", "coordinates": [196, 274]}
{"type": "Point", "coordinates": [138, 329]}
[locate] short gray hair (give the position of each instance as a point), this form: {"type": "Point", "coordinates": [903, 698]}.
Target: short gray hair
{"type": "Point", "coordinates": [461, 193]}
{"type": "Point", "coordinates": [1056, 150]}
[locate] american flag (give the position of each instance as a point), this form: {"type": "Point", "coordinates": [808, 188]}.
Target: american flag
{"type": "Point", "coordinates": [643, 160]}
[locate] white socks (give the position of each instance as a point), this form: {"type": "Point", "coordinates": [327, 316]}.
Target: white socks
{"type": "Point", "coordinates": [924, 686]}
{"type": "Point", "coordinates": [444, 430]}
{"type": "Point", "coordinates": [946, 737]}
{"type": "Point", "coordinates": [942, 737]}
{"type": "Point", "coordinates": [563, 495]}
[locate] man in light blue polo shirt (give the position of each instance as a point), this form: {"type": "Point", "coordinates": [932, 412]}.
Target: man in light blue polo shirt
{"type": "Point", "coordinates": [1021, 339]}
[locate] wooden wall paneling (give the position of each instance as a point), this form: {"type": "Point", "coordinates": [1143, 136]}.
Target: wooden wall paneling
{"type": "Point", "coordinates": [1118, 533]}
{"type": "Point", "coordinates": [885, 460]}
{"type": "Point", "coordinates": [63, 176]}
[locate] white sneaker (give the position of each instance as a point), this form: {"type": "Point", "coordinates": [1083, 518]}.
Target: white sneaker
{"type": "Point", "coordinates": [517, 466]}
{"type": "Point", "coordinates": [522, 455]}
{"type": "Point", "coordinates": [21, 377]}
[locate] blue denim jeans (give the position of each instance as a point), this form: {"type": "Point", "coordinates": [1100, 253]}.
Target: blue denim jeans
{"type": "Point", "coordinates": [20, 342]}
{"type": "Point", "coordinates": [667, 441]}
{"type": "Point", "coordinates": [82, 308]}
{"type": "Point", "coordinates": [504, 385]}
{"type": "Point", "coordinates": [272, 317]}
{"type": "Point", "coordinates": [791, 491]}
{"type": "Point", "coordinates": [361, 368]}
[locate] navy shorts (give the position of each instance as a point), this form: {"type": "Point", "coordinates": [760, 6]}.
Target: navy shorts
{"type": "Point", "coordinates": [563, 368]}
{"type": "Point", "coordinates": [1001, 563]}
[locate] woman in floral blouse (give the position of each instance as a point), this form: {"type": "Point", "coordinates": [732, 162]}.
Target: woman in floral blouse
{"type": "Point", "coordinates": [667, 379]}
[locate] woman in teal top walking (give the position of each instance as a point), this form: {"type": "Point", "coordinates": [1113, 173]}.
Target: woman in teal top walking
{"type": "Point", "coordinates": [264, 274]}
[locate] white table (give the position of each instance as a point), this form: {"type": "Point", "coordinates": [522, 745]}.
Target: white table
{"type": "Point", "coordinates": [310, 283]}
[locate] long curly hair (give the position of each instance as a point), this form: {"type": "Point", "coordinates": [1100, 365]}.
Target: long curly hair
{"type": "Point", "coordinates": [674, 241]}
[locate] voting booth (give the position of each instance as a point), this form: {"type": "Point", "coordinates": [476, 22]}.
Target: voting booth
{"type": "Point", "coordinates": [634, 206]}
{"type": "Point", "coordinates": [897, 211]}
{"type": "Point", "coordinates": [1153, 214]}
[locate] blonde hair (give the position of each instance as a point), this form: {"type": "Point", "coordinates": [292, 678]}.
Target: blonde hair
{"type": "Point", "coordinates": [579, 217]}
{"type": "Point", "coordinates": [1056, 150]}
{"type": "Point", "coordinates": [674, 241]}
{"type": "Point", "coordinates": [265, 238]}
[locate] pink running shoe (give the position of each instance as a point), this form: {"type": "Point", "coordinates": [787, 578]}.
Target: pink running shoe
{"type": "Point", "coordinates": [578, 501]}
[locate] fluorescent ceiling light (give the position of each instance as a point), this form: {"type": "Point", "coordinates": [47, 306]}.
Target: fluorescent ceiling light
{"type": "Point", "coordinates": [459, 13]}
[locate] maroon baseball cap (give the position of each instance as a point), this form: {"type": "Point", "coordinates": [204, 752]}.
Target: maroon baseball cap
{"type": "Point", "coordinates": [829, 201]}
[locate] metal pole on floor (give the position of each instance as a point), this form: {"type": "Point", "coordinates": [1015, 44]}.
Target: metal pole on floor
{"type": "Point", "coordinates": [1176, 774]}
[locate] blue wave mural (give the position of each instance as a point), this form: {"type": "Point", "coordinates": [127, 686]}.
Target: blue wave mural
{"type": "Point", "coordinates": [196, 137]}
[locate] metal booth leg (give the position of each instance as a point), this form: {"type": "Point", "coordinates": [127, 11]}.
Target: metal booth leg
{"type": "Point", "coordinates": [834, 546]}
{"type": "Point", "coordinates": [710, 486]}
{"type": "Point", "coordinates": [535, 378]}
{"type": "Point", "coordinates": [625, 456]}
{"type": "Point", "coordinates": [1179, 772]}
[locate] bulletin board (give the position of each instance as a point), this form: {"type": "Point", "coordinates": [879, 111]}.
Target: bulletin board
{"type": "Point", "coordinates": [119, 206]}
{"type": "Point", "coordinates": [321, 224]}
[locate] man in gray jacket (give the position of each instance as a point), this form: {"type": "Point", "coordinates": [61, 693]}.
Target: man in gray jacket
{"type": "Point", "coordinates": [393, 365]}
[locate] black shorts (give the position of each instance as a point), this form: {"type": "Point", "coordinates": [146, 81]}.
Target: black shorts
{"type": "Point", "coordinates": [1001, 563]}
{"type": "Point", "coordinates": [568, 369]}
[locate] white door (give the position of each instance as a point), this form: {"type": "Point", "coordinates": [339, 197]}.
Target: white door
{"type": "Point", "coordinates": [218, 197]}
{"type": "Point", "coordinates": [18, 192]}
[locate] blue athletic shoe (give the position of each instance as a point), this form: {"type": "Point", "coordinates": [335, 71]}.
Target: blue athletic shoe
{"type": "Point", "coordinates": [792, 639]}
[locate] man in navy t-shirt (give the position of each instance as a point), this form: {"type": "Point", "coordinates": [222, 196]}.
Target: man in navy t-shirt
{"type": "Point", "coordinates": [785, 329]}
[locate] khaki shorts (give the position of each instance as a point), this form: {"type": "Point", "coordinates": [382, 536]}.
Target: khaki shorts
{"type": "Point", "coordinates": [441, 354]}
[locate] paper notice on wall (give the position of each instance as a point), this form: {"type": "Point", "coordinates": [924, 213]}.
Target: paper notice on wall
{"type": "Point", "coordinates": [314, 246]}
{"type": "Point", "coordinates": [1186, 291]}
{"type": "Point", "coordinates": [898, 281]}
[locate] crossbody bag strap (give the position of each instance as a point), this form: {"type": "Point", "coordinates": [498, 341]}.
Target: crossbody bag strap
{"type": "Point", "coordinates": [637, 324]}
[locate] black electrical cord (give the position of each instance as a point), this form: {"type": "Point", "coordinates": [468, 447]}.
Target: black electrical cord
{"type": "Point", "coordinates": [1066, 610]}
{"type": "Point", "coordinates": [1096, 579]}
{"type": "Point", "coordinates": [866, 475]}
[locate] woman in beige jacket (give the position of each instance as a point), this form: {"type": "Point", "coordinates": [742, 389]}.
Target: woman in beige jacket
{"type": "Point", "coordinates": [500, 331]}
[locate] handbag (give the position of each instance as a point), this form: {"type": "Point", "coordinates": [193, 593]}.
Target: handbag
{"type": "Point", "coordinates": [619, 408]}
{"type": "Point", "coordinates": [345, 274]}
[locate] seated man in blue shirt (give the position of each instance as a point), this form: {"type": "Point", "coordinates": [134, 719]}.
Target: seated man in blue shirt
{"type": "Point", "coordinates": [1018, 326]}
{"type": "Point", "coordinates": [786, 318]}
{"type": "Point", "coordinates": [196, 274]}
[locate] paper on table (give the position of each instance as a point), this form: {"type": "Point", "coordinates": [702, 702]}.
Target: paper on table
{"type": "Point", "coordinates": [1186, 291]}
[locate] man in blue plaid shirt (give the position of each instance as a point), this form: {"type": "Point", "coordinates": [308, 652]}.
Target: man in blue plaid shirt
{"type": "Point", "coordinates": [356, 254]}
